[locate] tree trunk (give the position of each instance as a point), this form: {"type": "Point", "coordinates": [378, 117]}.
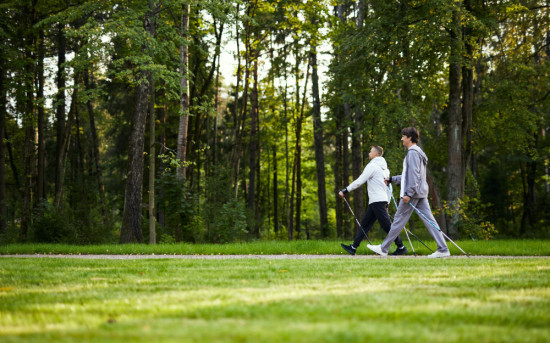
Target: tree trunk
{"type": "Point", "coordinates": [131, 217]}
{"type": "Point", "coordinates": [152, 168]}
{"type": "Point", "coordinates": [60, 110]}
{"type": "Point", "coordinates": [529, 195]}
{"type": "Point", "coordinates": [275, 193]}
{"type": "Point", "coordinates": [28, 125]}
{"type": "Point", "coordinates": [454, 176]}
{"type": "Point", "coordinates": [348, 222]}
{"type": "Point", "coordinates": [160, 211]}
{"type": "Point", "coordinates": [184, 93]}
{"type": "Point", "coordinates": [236, 131]}
{"type": "Point", "coordinates": [287, 159]}
{"type": "Point", "coordinates": [467, 97]}
{"type": "Point", "coordinates": [130, 230]}
{"type": "Point", "coordinates": [338, 177]}
{"type": "Point", "coordinates": [64, 147]}
{"type": "Point", "coordinates": [253, 145]}
{"type": "Point", "coordinates": [3, 201]}
{"type": "Point", "coordinates": [41, 167]}
{"type": "Point", "coordinates": [88, 83]}
{"type": "Point", "coordinates": [152, 154]}
{"type": "Point", "coordinates": [318, 144]}
{"type": "Point", "coordinates": [299, 160]}
{"type": "Point", "coordinates": [357, 162]}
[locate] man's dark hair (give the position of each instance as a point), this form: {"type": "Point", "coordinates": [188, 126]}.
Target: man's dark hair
{"type": "Point", "coordinates": [412, 133]}
{"type": "Point", "coordinates": [378, 149]}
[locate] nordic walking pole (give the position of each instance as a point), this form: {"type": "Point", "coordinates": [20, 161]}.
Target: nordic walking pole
{"type": "Point", "coordinates": [415, 236]}
{"type": "Point", "coordinates": [438, 229]}
{"type": "Point", "coordinates": [367, 237]}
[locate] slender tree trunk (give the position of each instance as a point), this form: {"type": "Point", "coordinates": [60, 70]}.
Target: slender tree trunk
{"type": "Point", "coordinates": [287, 159]}
{"type": "Point", "coordinates": [60, 110]}
{"type": "Point", "coordinates": [275, 193]}
{"type": "Point", "coordinates": [235, 150]}
{"type": "Point", "coordinates": [184, 92]}
{"type": "Point", "coordinates": [290, 228]}
{"type": "Point", "coordinates": [347, 231]}
{"type": "Point", "coordinates": [160, 210]}
{"type": "Point", "coordinates": [467, 97]}
{"type": "Point", "coordinates": [28, 123]}
{"type": "Point", "coordinates": [348, 221]}
{"type": "Point", "coordinates": [299, 160]}
{"type": "Point", "coordinates": [130, 230]}
{"type": "Point", "coordinates": [357, 162]}
{"type": "Point", "coordinates": [64, 146]}
{"type": "Point", "coordinates": [3, 199]}
{"type": "Point", "coordinates": [529, 195]}
{"type": "Point", "coordinates": [88, 82]}
{"type": "Point", "coordinates": [454, 178]}
{"type": "Point", "coordinates": [152, 168]}
{"type": "Point", "coordinates": [243, 108]}
{"type": "Point", "coordinates": [217, 107]}
{"type": "Point", "coordinates": [41, 167]}
{"type": "Point", "coordinates": [318, 144]}
{"type": "Point", "coordinates": [253, 145]}
{"type": "Point", "coordinates": [28, 166]}
{"type": "Point", "coordinates": [338, 178]}
{"type": "Point", "coordinates": [152, 135]}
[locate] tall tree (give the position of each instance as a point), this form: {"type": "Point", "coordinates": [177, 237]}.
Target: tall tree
{"type": "Point", "coordinates": [60, 110]}
{"type": "Point", "coordinates": [184, 90]}
{"type": "Point", "coordinates": [131, 216]}
{"type": "Point", "coordinates": [41, 163]}
{"type": "Point", "coordinates": [3, 103]}
{"type": "Point", "coordinates": [319, 146]}
{"type": "Point", "coordinates": [454, 177]}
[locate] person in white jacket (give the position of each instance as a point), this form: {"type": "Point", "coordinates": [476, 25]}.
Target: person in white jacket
{"type": "Point", "coordinates": [374, 175]}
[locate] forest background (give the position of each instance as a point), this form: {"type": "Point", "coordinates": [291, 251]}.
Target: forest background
{"type": "Point", "coordinates": [117, 125]}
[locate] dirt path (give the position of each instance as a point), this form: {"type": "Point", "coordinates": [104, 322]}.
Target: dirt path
{"type": "Point", "coordinates": [234, 257]}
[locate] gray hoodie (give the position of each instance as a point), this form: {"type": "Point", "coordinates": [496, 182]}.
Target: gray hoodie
{"type": "Point", "coordinates": [413, 180]}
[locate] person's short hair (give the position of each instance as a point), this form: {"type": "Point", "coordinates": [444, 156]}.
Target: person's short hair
{"type": "Point", "coordinates": [378, 149]}
{"type": "Point", "coordinates": [412, 133]}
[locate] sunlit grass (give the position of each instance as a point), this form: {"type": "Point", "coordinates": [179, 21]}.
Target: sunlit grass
{"type": "Point", "coordinates": [250, 300]}
{"type": "Point", "coordinates": [492, 247]}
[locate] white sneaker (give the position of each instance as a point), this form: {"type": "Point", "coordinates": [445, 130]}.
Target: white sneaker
{"type": "Point", "coordinates": [438, 254]}
{"type": "Point", "coordinates": [377, 249]}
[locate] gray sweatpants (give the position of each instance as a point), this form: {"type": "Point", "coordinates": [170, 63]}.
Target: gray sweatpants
{"type": "Point", "coordinates": [401, 218]}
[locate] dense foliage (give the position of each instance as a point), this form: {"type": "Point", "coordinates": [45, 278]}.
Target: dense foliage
{"type": "Point", "coordinates": [116, 123]}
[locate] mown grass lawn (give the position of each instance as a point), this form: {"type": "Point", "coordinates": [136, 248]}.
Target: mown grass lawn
{"type": "Point", "coordinates": [269, 300]}
{"type": "Point", "coordinates": [512, 247]}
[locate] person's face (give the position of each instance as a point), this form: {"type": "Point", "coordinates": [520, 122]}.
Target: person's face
{"type": "Point", "coordinates": [407, 141]}
{"type": "Point", "coordinates": [373, 153]}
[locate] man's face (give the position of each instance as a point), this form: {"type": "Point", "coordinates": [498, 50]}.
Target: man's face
{"type": "Point", "coordinates": [373, 153]}
{"type": "Point", "coordinates": [406, 141]}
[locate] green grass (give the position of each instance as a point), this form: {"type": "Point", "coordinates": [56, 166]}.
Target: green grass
{"type": "Point", "coordinates": [251, 300]}
{"type": "Point", "coordinates": [493, 247]}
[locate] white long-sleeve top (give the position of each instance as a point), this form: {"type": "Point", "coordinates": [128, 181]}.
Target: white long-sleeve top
{"type": "Point", "coordinates": [374, 174]}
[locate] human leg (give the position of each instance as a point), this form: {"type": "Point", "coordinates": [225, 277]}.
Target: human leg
{"type": "Point", "coordinates": [383, 217]}
{"type": "Point", "coordinates": [424, 207]}
{"type": "Point", "coordinates": [400, 219]}
{"type": "Point", "coordinates": [366, 224]}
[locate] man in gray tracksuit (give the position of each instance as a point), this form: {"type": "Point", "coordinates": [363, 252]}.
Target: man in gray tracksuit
{"type": "Point", "coordinates": [414, 190]}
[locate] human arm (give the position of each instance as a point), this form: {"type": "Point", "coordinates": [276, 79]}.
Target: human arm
{"type": "Point", "coordinates": [364, 177]}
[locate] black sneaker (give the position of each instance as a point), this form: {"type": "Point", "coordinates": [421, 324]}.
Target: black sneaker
{"type": "Point", "coordinates": [400, 251]}
{"type": "Point", "coordinates": [349, 248]}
